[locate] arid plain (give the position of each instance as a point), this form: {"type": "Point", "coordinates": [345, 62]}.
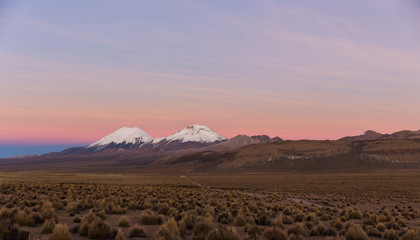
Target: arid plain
{"type": "Point", "coordinates": [383, 205]}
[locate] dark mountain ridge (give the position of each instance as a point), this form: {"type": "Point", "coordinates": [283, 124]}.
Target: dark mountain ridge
{"type": "Point", "coordinates": [400, 150]}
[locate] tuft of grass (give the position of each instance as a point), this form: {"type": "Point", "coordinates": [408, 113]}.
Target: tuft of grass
{"type": "Point", "coordinates": [48, 227]}
{"type": "Point", "coordinates": [355, 232]}
{"type": "Point", "coordinates": [275, 233]}
{"type": "Point", "coordinates": [411, 234]}
{"type": "Point", "coordinates": [278, 222]}
{"type": "Point", "coordinates": [203, 226]}
{"type": "Point", "coordinates": [391, 235]}
{"type": "Point", "coordinates": [24, 219]}
{"type": "Point", "coordinates": [60, 232]}
{"type": "Point", "coordinates": [137, 231]}
{"type": "Point", "coordinates": [150, 218]}
{"type": "Point", "coordinates": [297, 229]}
{"type": "Point", "coordinates": [240, 219]}
{"type": "Point", "coordinates": [116, 209]}
{"type": "Point", "coordinates": [188, 221]}
{"type": "Point", "coordinates": [223, 234]}
{"type": "Point", "coordinates": [252, 230]}
{"type": "Point", "coordinates": [123, 222]}
{"type": "Point", "coordinates": [98, 229]}
{"type": "Point", "coordinates": [4, 213]}
{"type": "Point", "coordinates": [356, 214]}
{"type": "Point", "coordinates": [288, 220]}
{"type": "Point", "coordinates": [86, 222]}
{"type": "Point", "coordinates": [169, 230]}
{"type": "Point", "coordinates": [317, 230]}
{"type": "Point", "coordinates": [9, 231]}
{"type": "Point", "coordinates": [48, 211]}
{"type": "Point", "coordinates": [120, 235]}
{"type": "Point", "coordinates": [381, 227]}
{"type": "Point", "coordinates": [71, 207]}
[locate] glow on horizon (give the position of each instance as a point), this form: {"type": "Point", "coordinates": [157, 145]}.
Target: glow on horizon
{"type": "Point", "coordinates": [297, 70]}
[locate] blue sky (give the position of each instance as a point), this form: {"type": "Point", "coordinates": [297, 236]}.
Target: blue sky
{"type": "Point", "coordinates": [32, 149]}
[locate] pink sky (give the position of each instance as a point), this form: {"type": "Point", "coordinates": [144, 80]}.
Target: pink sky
{"type": "Point", "coordinates": [287, 69]}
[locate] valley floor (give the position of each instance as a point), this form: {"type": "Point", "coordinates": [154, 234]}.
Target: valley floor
{"type": "Point", "coordinates": [238, 206]}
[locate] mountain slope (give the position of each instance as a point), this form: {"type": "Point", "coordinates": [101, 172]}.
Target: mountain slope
{"type": "Point", "coordinates": [241, 140]}
{"type": "Point", "coordinates": [372, 135]}
{"type": "Point", "coordinates": [303, 155]}
{"type": "Point", "coordinates": [122, 138]}
{"type": "Point", "coordinates": [193, 136]}
{"type": "Point", "coordinates": [368, 135]}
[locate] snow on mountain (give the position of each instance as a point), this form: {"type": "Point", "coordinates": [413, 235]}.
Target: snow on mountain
{"type": "Point", "coordinates": [193, 136]}
{"type": "Point", "coordinates": [124, 135]}
{"type": "Point", "coordinates": [192, 133]}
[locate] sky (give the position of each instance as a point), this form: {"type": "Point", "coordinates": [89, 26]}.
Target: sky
{"type": "Point", "coordinates": [74, 71]}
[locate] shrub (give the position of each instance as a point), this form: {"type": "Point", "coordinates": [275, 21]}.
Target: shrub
{"type": "Point", "coordinates": [411, 234]}
{"type": "Point", "coordinates": [8, 231]}
{"type": "Point", "coordinates": [188, 220]}
{"type": "Point", "coordinates": [86, 222]}
{"type": "Point", "coordinates": [203, 226]}
{"type": "Point", "coordinates": [337, 224]}
{"type": "Point", "coordinates": [23, 219]}
{"type": "Point", "coordinates": [287, 211]}
{"type": "Point", "coordinates": [311, 217]}
{"type": "Point", "coordinates": [116, 209]}
{"type": "Point", "coordinates": [295, 237]}
{"type": "Point", "coordinates": [240, 219]}
{"type": "Point", "coordinates": [297, 229]}
{"type": "Point", "coordinates": [60, 232]}
{"type": "Point", "coordinates": [356, 232]}
{"type": "Point", "coordinates": [137, 231]}
{"type": "Point", "coordinates": [223, 234]}
{"type": "Point", "coordinates": [278, 222]}
{"type": "Point", "coordinates": [37, 218]}
{"type": "Point", "coordinates": [57, 205]}
{"type": "Point", "coordinates": [123, 222]}
{"type": "Point", "coordinates": [264, 220]}
{"type": "Point", "coordinates": [4, 213]}
{"type": "Point", "coordinates": [252, 230]}
{"type": "Point", "coordinates": [325, 217]}
{"type": "Point", "coordinates": [275, 234]}
{"type": "Point", "coordinates": [163, 209]}
{"type": "Point", "coordinates": [317, 230]}
{"type": "Point", "coordinates": [287, 220]}
{"type": "Point", "coordinates": [169, 230]}
{"type": "Point", "coordinates": [71, 207]}
{"type": "Point", "coordinates": [47, 227]}
{"type": "Point", "coordinates": [391, 235]}
{"type": "Point", "coordinates": [381, 227]}
{"type": "Point", "coordinates": [150, 218]}
{"type": "Point", "coordinates": [225, 218]}
{"type": "Point", "coordinates": [120, 235]}
{"type": "Point", "coordinates": [48, 211]}
{"type": "Point", "coordinates": [392, 225]}
{"type": "Point", "coordinates": [98, 230]}
{"type": "Point", "coordinates": [356, 214]}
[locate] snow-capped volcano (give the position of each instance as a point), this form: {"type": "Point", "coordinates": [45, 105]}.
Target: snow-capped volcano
{"type": "Point", "coordinates": [193, 133]}
{"type": "Point", "coordinates": [193, 136]}
{"type": "Point", "coordinates": [123, 136]}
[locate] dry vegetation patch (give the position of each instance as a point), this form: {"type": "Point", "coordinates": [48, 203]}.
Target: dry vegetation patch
{"type": "Point", "coordinates": [244, 207]}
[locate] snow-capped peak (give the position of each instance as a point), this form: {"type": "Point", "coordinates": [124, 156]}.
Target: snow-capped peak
{"type": "Point", "coordinates": [124, 135]}
{"type": "Point", "coordinates": [193, 133]}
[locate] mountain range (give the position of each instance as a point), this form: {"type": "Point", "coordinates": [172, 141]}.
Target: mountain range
{"type": "Point", "coordinates": [197, 148]}
{"type": "Point", "coordinates": [372, 135]}
{"type": "Point", "coordinates": [192, 136]}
